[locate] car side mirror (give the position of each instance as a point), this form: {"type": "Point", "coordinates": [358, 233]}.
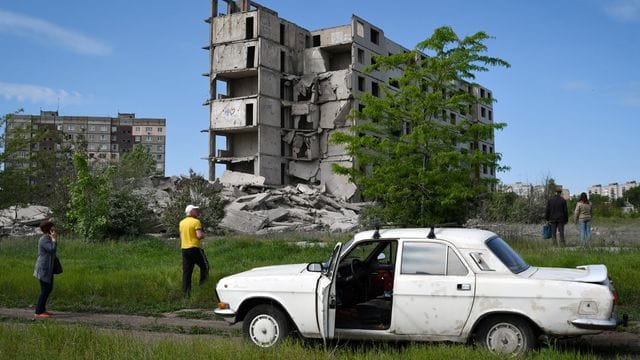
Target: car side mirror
{"type": "Point", "coordinates": [314, 267]}
{"type": "Point", "coordinates": [381, 256]}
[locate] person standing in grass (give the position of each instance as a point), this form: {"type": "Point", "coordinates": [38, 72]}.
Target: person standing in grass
{"type": "Point", "coordinates": [583, 219]}
{"type": "Point", "coordinates": [192, 253]}
{"type": "Point", "coordinates": [557, 215]}
{"type": "Point", "coordinates": [47, 246]}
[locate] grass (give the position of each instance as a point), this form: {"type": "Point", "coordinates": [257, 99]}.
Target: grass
{"type": "Point", "coordinates": [138, 277]}
{"type": "Point", "coordinates": [55, 341]}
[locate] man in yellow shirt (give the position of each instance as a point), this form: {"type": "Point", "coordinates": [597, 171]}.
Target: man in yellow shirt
{"type": "Point", "coordinates": [192, 254]}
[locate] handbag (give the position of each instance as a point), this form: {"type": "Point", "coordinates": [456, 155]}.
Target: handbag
{"type": "Point", "coordinates": [57, 266]}
{"type": "Point", "coordinates": [546, 231]}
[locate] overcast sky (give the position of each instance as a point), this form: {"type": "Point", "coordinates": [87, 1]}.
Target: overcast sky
{"type": "Point", "coordinates": [570, 100]}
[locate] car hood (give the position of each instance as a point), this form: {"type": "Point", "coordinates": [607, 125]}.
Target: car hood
{"type": "Point", "coordinates": [585, 273]}
{"type": "Point", "coordinates": [275, 270]}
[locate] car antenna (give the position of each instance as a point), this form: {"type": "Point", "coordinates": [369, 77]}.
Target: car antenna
{"type": "Point", "coordinates": [432, 234]}
{"type": "Point", "coordinates": [376, 234]}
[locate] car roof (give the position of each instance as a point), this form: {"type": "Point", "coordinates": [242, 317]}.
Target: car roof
{"type": "Point", "coordinates": [464, 238]}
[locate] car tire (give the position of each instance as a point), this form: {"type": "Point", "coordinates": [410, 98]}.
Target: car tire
{"type": "Point", "coordinates": [265, 326]}
{"type": "Point", "coordinates": [505, 334]}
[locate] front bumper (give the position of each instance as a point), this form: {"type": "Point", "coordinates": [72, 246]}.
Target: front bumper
{"type": "Point", "coordinates": [227, 314]}
{"type": "Point", "coordinates": [597, 324]}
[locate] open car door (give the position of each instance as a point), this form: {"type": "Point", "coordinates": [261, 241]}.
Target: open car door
{"type": "Point", "coordinates": [326, 297]}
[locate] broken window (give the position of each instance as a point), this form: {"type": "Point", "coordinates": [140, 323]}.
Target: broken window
{"type": "Point", "coordinates": [361, 83]}
{"type": "Point", "coordinates": [283, 30]}
{"type": "Point", "coordinates": [283, 172]}
{"type": "Point", "coordinates": [249, 114]}
{"type": "Point", "coordinates": [483, 112]}
{"type": "Point", "coordinates": [452, 118]}
{"type": "Point", "coordinates": [251, 54]}
{"type": "Point", "coordinates": [248, 28]}
{"type": "Point", "coordinates": [490, 115]}
{"type": "Point", "coordinates": [307, 41]}
{"type": "Point", "coordinates": [316, 40]}
{"type": "Point", "coordinates": [304, 123]}
{"type": "Point", "coordinates": [375, 36]}
{"type": "Point", "coordinates": [394, 82]}
{"type": "Point", "coordinates": [375, 89]}
{"type": "Point", "coordinates": [481, 93]}
{"type": "Point", "coordinates": [282, 61]}
{"type": "Point", "coordinates": [286, 90]}
{"type": "Point", "coordinates": [285, 117]}
{"type": "Point", "coordinates": [360, 107]}
{"type": "Point", "coordinates": [360, 56]}
{"type": "Point", "coordinates": [360, 28]}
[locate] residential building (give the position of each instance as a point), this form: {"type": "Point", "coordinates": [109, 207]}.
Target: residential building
{"type": "Point", "coordinates": [107, 139]}
{"type": "Point", "coordinates": [613, 190]}
{"type": "Point", "coordinates": [278, 91]}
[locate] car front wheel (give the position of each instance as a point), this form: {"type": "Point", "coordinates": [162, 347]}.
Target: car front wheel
{"type": "Point", "coordinates": [505, 334]}
{"type": "Point", "coordinates": [265, 325]}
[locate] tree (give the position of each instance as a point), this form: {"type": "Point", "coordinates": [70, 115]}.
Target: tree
{"type": "Point", "coordinates": [195, 190]}
{"type": "Point", "coordinates": [633, 196]}
{"type": "Point", "coordinates": [89, 201]}
{"type": "Point", "coordinates": [408, 156]}
{"type": "Point", "coordinates": [136, 164]}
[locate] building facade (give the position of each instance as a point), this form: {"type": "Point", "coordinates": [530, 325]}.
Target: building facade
{"type": "Point", "coordinates": [107, 139]}
{"type": "Point", "coordinates": [278, 91]}
{"type": "Point", "coordinates": [613, 191]}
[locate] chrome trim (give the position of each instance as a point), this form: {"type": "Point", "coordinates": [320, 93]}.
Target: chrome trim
{"type": "Point", "coordinates": [597, 324]}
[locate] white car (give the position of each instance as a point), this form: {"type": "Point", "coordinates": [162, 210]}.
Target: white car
{"type": "Point", "coordinates": [443, 284]}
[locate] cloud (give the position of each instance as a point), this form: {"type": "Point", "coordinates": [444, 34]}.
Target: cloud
{"type": "Point", "coordinates": [624, 10]}
{"type": "Point", "coordinates": [49, 33]}
{"type": "Point", "coordinates": [576, 86]}
{"type": "Point", "coordinates": [630, 100]}
{"type": "Point", "coordinates": [39, 94]}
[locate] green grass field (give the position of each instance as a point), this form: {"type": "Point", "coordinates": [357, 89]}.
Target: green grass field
{"type": "Point", "coordinates": [143, 277]}
{"type": "Point", "coordinates": [54, 341]}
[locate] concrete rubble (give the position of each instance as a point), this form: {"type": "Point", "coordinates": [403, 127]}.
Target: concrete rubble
{"type": "Point", "coordinates": [261, 210]}
{"type": "Point", "coordinates": [252, 207]}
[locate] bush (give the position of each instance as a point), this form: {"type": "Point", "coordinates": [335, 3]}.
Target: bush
{"type": "Point", "coordinates": [198, 191]}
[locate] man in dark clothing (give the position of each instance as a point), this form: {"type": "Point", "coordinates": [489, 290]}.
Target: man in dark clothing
{"type": "Point", "coordinates": [557, 215]}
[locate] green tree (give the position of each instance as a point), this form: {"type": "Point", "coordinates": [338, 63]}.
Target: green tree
{"type": "Point", "coordinates": [136, 164]}
{"type": "Point", "coordinates": [89, 201]}
{"type": "Point", "coordinates": [408, 156]}
{"type": "Point", "coordinates": [633, 196]}
{"type": "Point", "coordinates": [195, 190]}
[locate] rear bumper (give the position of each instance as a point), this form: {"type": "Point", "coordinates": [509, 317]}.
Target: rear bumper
{"type": "Point", "coordinates": [227, 314]}
{"type": "Point", "coordinates": [597, 324]}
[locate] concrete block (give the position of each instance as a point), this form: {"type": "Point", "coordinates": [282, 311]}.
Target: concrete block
{"type": "Point", "coordinates": [305, 170]}
{"type": "Point", "coordinates": [235, 178]}
{"type": "Point", "coordinates": [243, 221]}
{"type": "Point", "coordinates": [337, 185]}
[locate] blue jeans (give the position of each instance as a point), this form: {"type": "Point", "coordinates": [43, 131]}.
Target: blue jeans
{"type": "Point", "coordinates": [585, 232]}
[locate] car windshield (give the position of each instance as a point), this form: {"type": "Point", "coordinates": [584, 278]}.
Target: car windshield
{"type": "Point", "coordinates": [327, 263]}
{"type": "Point", "coordinates": [507, 255]}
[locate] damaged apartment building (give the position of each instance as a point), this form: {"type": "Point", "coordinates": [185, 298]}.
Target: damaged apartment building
{"type": "Point", "coordinates": [278, 92]}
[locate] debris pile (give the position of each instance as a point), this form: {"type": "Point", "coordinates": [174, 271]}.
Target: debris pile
{"type": "Point", "coordinates": [262, 210]}
{"type": "Point", "coordinates": [19, 221]}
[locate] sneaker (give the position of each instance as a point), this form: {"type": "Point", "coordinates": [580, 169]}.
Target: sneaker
{"type": "Point", "coordinates": [42, 315]}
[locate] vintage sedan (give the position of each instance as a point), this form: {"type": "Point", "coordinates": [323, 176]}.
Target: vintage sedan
{"type": "Point", "coordinates": [443, 284]}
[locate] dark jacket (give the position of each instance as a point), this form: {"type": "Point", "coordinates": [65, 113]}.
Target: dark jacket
{"type": "Point", "coordinates": [46, 253]}
{"type": "Point", "coordinates": [557, 210]}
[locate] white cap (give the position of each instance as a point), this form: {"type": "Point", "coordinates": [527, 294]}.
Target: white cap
{"type": "Point", "coordinates": [189, 208]}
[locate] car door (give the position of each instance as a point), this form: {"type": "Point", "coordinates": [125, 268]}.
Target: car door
{"type": "Point", "coordinates": [433, 290]}
{"type": "Point", "coordinates": [326, 296]}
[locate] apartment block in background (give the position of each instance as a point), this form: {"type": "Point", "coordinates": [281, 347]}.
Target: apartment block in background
{"type": "Point", "coordinates": [107, 139]}
{"type": "Point", "coordinates": [613, 191]}
{"type": "Point", "coordinates": [278, 91]}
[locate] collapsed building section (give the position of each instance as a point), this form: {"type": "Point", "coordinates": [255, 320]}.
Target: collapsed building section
{"type": "Point", "coordinates": [278, 92]}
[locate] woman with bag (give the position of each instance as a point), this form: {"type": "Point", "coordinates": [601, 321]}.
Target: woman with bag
{"type": "Point", "coordinates": [45, 266]}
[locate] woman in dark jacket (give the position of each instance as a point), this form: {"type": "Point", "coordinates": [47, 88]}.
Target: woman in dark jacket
{"type": "Point", "coordinates": [44, 265]}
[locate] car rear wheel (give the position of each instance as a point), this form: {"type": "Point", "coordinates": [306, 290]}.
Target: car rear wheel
{"type": "Point", "coordinates": [265, 325]}
{"type": "Point", "coordinates": [505, 334]}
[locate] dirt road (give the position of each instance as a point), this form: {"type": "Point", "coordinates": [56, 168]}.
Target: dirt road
{"type": "Point", "coordinates": [199, 321]}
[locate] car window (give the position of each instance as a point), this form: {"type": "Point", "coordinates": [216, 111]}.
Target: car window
{"type": "Point", "coordinates": [424, 258]}
{"type": "Point", "coordinates": [507, 255]}
{"type": "Point", "coordinates": [362, 251]}
{"type": "Point", "coordinates": [455, 266]}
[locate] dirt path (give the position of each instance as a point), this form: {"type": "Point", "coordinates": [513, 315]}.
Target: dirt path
{"type": "Point", "coordinates": [175, 323]}
{"type": "Point", "coordinates": [179, 325]}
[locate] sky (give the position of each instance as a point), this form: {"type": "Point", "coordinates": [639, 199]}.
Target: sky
{"type": "Point", "coordinates": [571, 99]}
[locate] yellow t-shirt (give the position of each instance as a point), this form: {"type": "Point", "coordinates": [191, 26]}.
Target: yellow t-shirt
{"type": "Point", "coordinates": [188, 237]}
